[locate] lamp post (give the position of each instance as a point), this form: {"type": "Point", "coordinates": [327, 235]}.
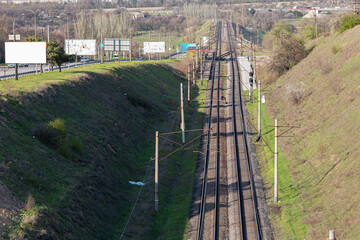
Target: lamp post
{"type": "Point", "coordinates": [35, 32]}
{"type": "Point", "coordinates": [16, 65]}
{"type": "Point", "coordinates": [35, 21]}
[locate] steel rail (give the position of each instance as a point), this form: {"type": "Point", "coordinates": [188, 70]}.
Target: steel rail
{"type": "Point", "coordinates": [251, 177]}
{"type": "Point", "coordinates": [217, 177]}
{"type": "Point", "coordinates": [236, 148]}
{"type": "Point", "coordinates": [207, 147]}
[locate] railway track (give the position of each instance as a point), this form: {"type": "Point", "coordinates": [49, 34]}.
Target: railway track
{"type": "Point", "coordinates": [212, 222]}
{"type": "Point", "coordinates": [249, 213]}
{"type": "Point", "coordinates": [213, 119]}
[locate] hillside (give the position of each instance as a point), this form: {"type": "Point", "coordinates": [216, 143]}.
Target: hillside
{"type": "Point", "coordinates": [72, 182]}
{"type": "Point", "coordinates": [321, 94]}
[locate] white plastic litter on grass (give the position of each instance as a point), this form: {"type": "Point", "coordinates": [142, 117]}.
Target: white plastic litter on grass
{"type": "Point", "coordinates": [137, 183]}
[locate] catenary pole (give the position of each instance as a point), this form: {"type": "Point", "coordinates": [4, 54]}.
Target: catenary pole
{"type": "Point", "coordinates": [201, 69]}
{"type": "Point", "coordinates": [182, 113]}
{"type": "Point", "coordinates": [276, 163]}
{"type": "Point", "coordinates": [193, 72]}
{"type": "Point", "coordinates": [188, 77]}
{"type": "Point", "coordinates": [156, 171]}
{"type": "Point", "coordinates": [259, 107]}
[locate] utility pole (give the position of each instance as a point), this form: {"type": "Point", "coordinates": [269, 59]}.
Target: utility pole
{"type": "Point", "coordinates": [16, 65]}
{"type": "Point", "coordinates": [254, 53]}
{"type": "Point", "coordinates": [156, 171]}
{"type": "Point", "coordinates": [188, 83]}
{"type": "Point", "coordinates": [196, 56]}
{"type": "Point", "coordinates": [35, 33]}
{"type": "Point", "coordinates": [241, 44]}
{"type": "Point", "coordinates": [193, 71]}
{"type": "Point", "coordinates": [101, 41]}
{"type": "Point", "coordinates": [276, 163]}
{"type": "Point", "coordinates": [48, 33]}
{"type": "Point", "coordinates": [316, 25]}
{"type": "Point", "coordinates": [182, 113]}
{"type": "Point", "coordinates": [130, 45]}
{"type": "Point", "coordinates": [259, 107]}
{"type": "Point", "coordinates": [251, 75]}
{"type": "Point", "coordinates": [201, 69]}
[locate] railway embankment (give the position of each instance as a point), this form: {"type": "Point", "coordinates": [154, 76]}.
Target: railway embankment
{"type": "Point", "coordinates": [318, 180]}
{"type": "Point", "coordinates": [72, 141]}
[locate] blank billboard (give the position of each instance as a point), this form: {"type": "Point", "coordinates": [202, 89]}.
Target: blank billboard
{"type": "Point", "coordinates": [154, 47]}
{"type": "Point", "coordinates": [25, 52]}
{"type": "Point", "coordinates": [80, 47]}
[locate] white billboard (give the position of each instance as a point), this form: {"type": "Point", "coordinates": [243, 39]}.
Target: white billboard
{"type": "Point", "coordinates": [17, 37]}
{"type": "Point", "coordinates": [25, 52]}
{"type": "Point", "coordinates": [154, 47]}
{"type": "Point", "coordinates": [80, 47]}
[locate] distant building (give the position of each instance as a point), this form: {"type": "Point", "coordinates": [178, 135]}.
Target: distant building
{"type": "Point", "coordinates": [315, 13]}
{"type": "Point", "coordinates": [357, 7]}
{"type": "Point", "coordinates": [136, 15]}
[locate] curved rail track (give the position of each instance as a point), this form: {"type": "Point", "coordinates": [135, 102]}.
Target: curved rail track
{"type": "Point", "coordinates": [249, 226]}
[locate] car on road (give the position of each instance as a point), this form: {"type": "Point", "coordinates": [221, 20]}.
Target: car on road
{"type": "Point", "coordinates": [12, 65]}
{"type": "Point", "coordinates": [116, 57]}
{"type": "Point", "coordinates": [84, 59]}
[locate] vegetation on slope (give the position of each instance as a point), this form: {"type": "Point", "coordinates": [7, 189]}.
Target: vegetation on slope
{"type": "Point", "coordinates": [322, 94]}
{"type": "Point", "coordinates": [113, 111]}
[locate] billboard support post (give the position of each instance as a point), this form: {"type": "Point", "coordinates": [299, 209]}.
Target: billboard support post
{"type": "Point", "coordinates": [16, 72]}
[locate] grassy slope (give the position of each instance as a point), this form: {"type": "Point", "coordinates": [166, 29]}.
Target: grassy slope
{"type": "Point", "coordinates": [286, 215]}
{"type": "Point", "coordinates": [323, 157]}
{"type": "Point", "coordinates": [114, 109]}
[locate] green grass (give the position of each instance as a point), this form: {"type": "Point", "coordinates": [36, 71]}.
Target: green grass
{"type": "Point", "coordinates": [323, 156]}
{"type": "Point", "coordinates": [285, 215]}
{"type": "Point", "coordinates": [31, 83]}
{"type": "Point", "coordinates": [175, 196]}
{"type": "Point", "coordinates": [114, 110]}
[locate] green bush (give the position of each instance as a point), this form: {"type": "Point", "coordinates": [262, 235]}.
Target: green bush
{"type": "Point", "coordinates": [349, 22]}
{"type": "Point", "coordinates": [309, 32]}
{"type": "Point", "coordinates": [47, 135]}
{"type": "Point", "coordinates": [59, 125]}
{"type": "Point", "coordinates": [287, 54]}
{"type": "Point", "coordinates": [54, 134]}
{"type": "Point", "coordinates": [336, 49]}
